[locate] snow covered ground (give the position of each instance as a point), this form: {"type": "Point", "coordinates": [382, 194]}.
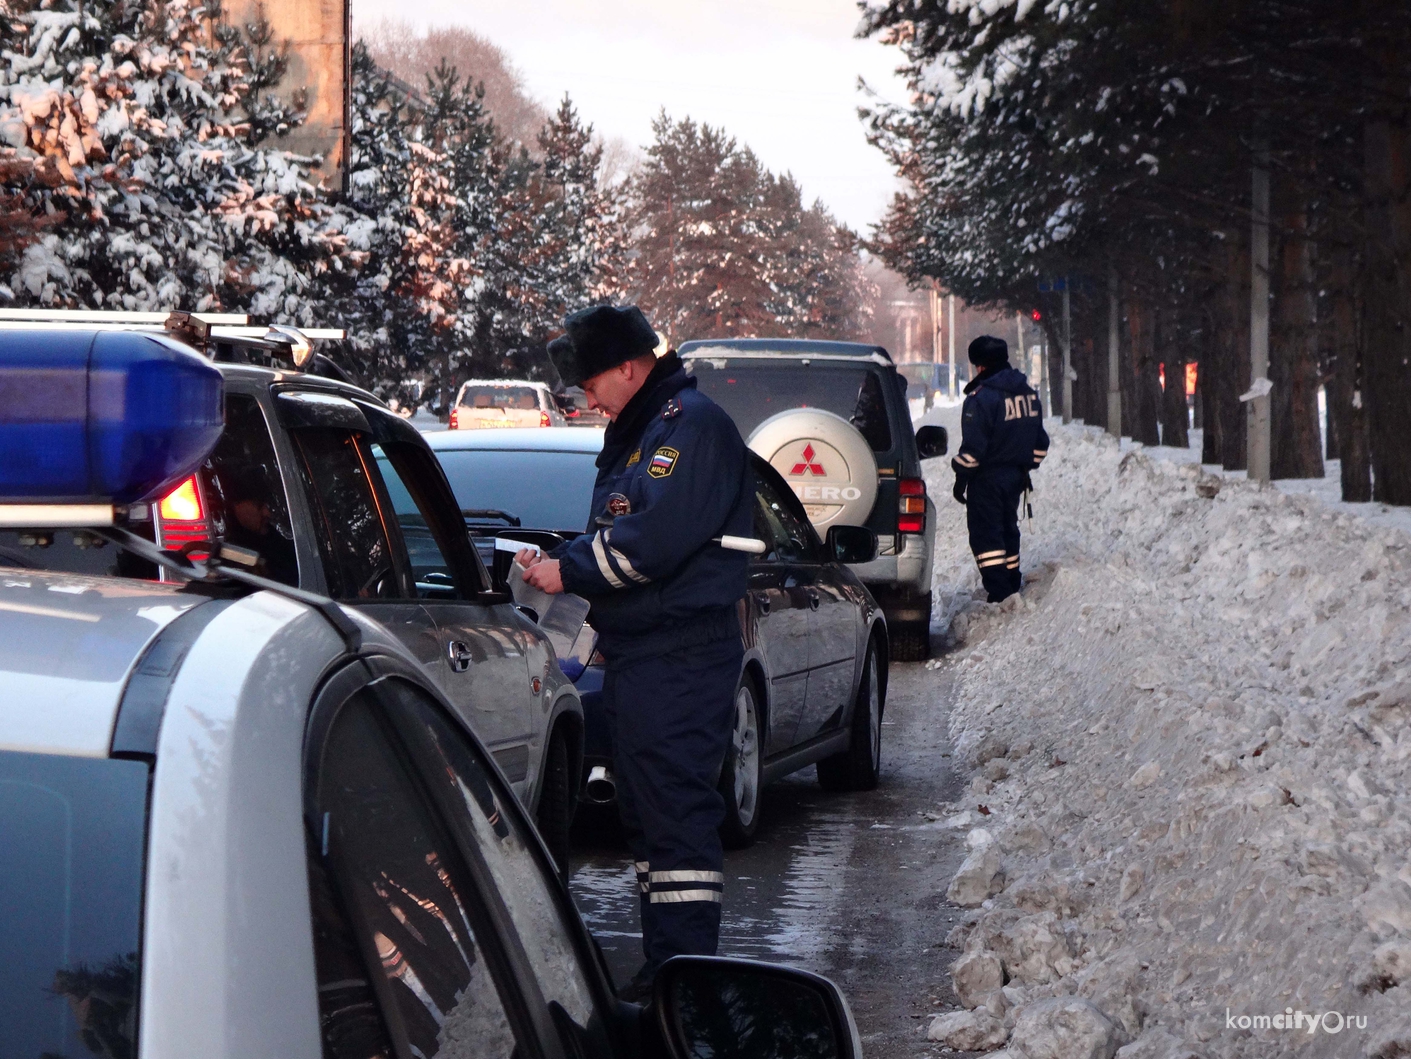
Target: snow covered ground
{"type": "Point", "coordinates": [1189, 817]}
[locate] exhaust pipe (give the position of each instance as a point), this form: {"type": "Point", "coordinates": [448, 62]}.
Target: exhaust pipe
{"type": "Point", "coordinates": [601, 788]}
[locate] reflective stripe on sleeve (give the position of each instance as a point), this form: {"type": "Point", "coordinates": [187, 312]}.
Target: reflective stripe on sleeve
{"type": "Point", "coordinates": [622, 561]}
{"type": "Point", "coordinates": [683, 875]}
{"type": "Point", "coordinates": [966, 460]}
{"type": "Point", "coordinates": [676, 897]}
{"type": "Point", "coordinates": [1012, 562]}
{"type": "Point", "coordinates": [601, 556]}
{"type": "Point", "coordinates": [987, 563]}
{"type": "Point", "coordinates": [988, 555]}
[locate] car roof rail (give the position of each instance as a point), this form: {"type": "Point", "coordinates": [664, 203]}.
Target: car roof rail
{"type": "Point", "coordinates": [194, 329]}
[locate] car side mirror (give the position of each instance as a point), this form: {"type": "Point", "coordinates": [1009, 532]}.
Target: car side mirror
{"type": "Point", "coordinates": [711, 1007]}
{"type": "Point", "coordinates": [931, 441]}
{"type": "Point", "coordinates": [851, 544]}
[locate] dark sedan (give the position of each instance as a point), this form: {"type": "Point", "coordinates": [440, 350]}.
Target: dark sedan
{"type": "Point", "coordinates": [814, 680]}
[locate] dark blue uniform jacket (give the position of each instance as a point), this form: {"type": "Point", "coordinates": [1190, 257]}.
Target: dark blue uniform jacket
{"type": "Point", "coordinates": [673, 474]}
{"type": "Point", "coordinates": [1001, 425]}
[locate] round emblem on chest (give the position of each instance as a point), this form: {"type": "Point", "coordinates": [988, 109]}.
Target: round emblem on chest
{"type": "Point", "coordinates": [619, 505]}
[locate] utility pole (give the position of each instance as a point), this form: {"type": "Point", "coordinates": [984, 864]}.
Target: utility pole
{"type": "Point", "coordinates": [1067, 358]}
{"type": "Point", "coordinates": [950, 320]}
{"type": "Point", "coordinates": [1257, 399]}
{"type": "Point", "coordinates": [933, 382]}
{"type": "Point", "coordinates": [1114, 371]}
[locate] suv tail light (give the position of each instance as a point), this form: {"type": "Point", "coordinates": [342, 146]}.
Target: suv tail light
{"type": "Point", "coordinates": [911, 505]}
{"type": "Point", "coordinates": [543, 419]}
{"type": "Point", "coordinates": [181, 516]}
{"type": "Point", "coordinates": [455, 423]}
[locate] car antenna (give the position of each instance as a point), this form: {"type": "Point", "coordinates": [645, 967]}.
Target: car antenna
{"type": "Point", "coordinates": [214, 569]}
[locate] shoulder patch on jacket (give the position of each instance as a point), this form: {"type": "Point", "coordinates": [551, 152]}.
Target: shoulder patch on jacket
{"type": "Point", "coordinates": [672, 410]}
{"type": "Point", "coordinates": [635, 458]}
{"type": "Point", "coordinates": [663, 462]}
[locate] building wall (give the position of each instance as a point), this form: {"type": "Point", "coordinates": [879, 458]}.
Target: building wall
{"type": "Point", "coordinates": [317, 35]}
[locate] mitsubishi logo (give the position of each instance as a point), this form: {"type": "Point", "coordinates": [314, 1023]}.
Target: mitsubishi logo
{"type": "Point", "coordinates": [808, 466]}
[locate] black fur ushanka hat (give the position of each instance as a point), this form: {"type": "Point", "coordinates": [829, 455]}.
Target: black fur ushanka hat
{"type": "Point", "coordinates": [600, 338]}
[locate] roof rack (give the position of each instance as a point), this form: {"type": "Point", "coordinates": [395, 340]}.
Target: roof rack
{"type": "Point", "coordinates": [195, 329]}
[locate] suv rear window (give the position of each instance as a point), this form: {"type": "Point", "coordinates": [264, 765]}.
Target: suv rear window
{"type": "Point", "coordinates": [72, 830]}
{"type": "Point", "coordinates": [752, 392]}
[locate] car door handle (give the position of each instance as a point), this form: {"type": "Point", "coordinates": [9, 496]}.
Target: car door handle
{"type": "Point", "coordinates": [761, 600]}
{"type": "Point", "coordinates": [458, 655]}
{"type": "Point", "coordinates": [813, 601]}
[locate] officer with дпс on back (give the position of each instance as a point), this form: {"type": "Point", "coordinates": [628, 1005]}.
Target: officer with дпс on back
{"type": "Point", "coordinates": [1002, 440]}
{"type": "Point", "coordinates": [673, 475]}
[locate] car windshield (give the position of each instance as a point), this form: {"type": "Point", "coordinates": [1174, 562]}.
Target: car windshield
{"type": "Point", "coordinates": [545, 490]}
{"type": "Point", "coordinates": [752, 392]}
{"type": "Point", "coordinates": [72, 830]}
{"type": "Point", "coordinates": [522, 398]}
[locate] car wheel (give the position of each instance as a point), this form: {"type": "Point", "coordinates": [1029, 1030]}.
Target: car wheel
{"type": "Point", "coordinates": [557, 803]}
{"type": "Point", "coordinates": [858, 767]}
{"type": "Point", "coordinates": [741, 779]}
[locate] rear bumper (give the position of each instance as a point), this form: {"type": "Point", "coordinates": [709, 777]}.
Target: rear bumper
{"type": "Point", "coordinates": [908, 570]}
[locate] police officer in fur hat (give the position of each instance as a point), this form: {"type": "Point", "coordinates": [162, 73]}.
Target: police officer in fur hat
{"type": "Point", "coordinates": [673, 474]}
{"type": "Point", "coordinates": [1002, 440]}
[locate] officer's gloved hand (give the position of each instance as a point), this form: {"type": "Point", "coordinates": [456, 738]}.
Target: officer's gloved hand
{"type": "Point", "coordinates": [959, 491]}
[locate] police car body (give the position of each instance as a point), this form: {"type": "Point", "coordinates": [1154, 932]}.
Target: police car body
{"type": "Point", "coordinates": [333, 493]}
{"type": "Point", "coordinates": [241, 820]}
{"type": "Point", "coordinates": [832, 418]}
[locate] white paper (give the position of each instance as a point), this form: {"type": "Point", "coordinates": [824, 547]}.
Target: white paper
{"type": "Point", "coordinates": [561, 616]}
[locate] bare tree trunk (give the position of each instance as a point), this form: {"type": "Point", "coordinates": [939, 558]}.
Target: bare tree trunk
{"type": "Point", "coordinates": [1296, 449]}
{"type": "Point", "coordinates": [1347, 419]}
{"type": "Point", "coordinates": [1386, 349]}
{"type": "Point", "coordinates": [1146, 383]}
{"type": "Point", "coordinates": [1233, 345]}
{"type": "Point", "coordinates": [1175, 418]}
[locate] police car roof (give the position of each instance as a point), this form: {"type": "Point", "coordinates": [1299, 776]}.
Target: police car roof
{"type": "Point", "coordinates": [67, 646]}
{"type": "Point", "coordinates": [535, 439]}
{"type": "Point", "coordinates": [784, 347]}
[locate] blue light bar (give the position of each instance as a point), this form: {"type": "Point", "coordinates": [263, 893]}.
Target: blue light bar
{"type": "Point", "coordinates": [102, 416]}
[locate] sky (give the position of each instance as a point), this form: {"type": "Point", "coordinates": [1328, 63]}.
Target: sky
{"type": "Point", "coordinates": [779, 75]}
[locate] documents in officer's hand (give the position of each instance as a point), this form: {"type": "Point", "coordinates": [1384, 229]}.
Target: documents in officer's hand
{"type": "Point", "coordinates": [561, 616]}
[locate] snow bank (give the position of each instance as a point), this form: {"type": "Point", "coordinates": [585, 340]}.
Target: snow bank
{"type": "Point", "coordinates": [1191, 747]}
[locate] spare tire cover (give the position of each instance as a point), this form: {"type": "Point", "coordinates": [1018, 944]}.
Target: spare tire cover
{"type": "Point", "coordinates": [825, 460]}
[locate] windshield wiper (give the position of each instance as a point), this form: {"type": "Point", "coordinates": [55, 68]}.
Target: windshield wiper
{"type": "Point", "coordinates": [480, 514]}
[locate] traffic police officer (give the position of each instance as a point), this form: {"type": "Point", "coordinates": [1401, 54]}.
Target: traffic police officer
{"type": "Point", "coordinates": [1002, 440]}
{"type": "Point", "coordinates": [673, 475]}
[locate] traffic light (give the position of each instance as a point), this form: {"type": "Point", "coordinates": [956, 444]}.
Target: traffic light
{"type": "Point", "coordinates": [1037, 315]}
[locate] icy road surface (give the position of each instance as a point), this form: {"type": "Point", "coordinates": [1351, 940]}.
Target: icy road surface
{"type": "Point", "coordinates": [851, 886]}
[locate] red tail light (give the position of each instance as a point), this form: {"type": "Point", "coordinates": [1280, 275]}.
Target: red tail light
{"type": "Point", "coordinates": [181, 516]}
{"type": "Point", "coordinates": [455, 419]}
{"type": "Point", "coordinates": [543, 419]}
{"type": "Point", "coordinates": [911, 506]}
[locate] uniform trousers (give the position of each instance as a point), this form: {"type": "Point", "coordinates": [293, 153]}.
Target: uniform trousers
{"type": "Point", "coordinates": [992, 515]}
{"type": "Point", "coordinates": [671, 717]}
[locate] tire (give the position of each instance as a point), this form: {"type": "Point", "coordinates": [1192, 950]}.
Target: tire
{"type": "Point", "coordinates": [859, 766]}
{"type": "Point", "coordinates": [911, 641]}
{"type": "Point", "coordinates": [741, 778]}
{"type": "Point", "coordinates": [558, 802]}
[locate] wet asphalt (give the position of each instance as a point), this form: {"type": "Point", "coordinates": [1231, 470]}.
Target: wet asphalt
{"type": "Point", "coordinates": [849, 886]}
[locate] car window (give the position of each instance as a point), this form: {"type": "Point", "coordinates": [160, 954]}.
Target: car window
{"type": "Point", "coordinates": [72, 837]}
{"type": "Point", "coordinates": [519, 398]}
{"type": "Point", "coordinates": [246, 491]}
{"type": "Point", "coordinates": [751, 392]}
{"type": "Point", "coordinates": [517, 481]}
{"type": "Point", "coordinates": [347, 514]}
{"type": "Point", "coordinates": [407, 902]}
{"type": "Point", "coordinates": [430, 569]}
{"type": "Point", "coordinates": [521, 879]}
{"type": "Point", "coordinates": [779, 525]}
